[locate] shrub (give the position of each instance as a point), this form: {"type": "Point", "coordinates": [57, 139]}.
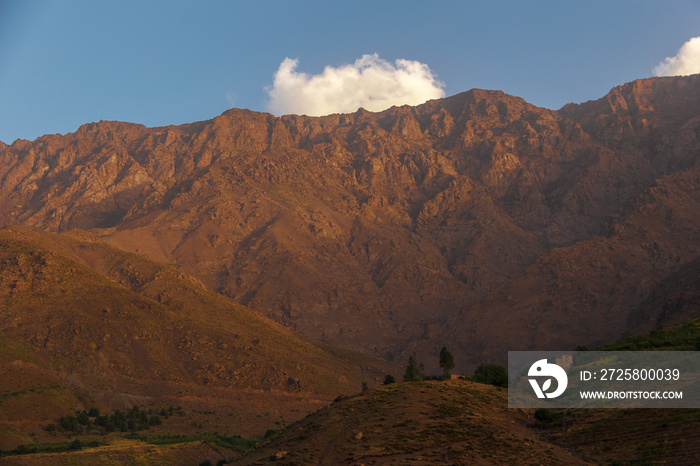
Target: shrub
{"type": "Point", "coordinates": [546, 415]}
{"type": "Point", "coordinates": [492, 374]}
{"type": "Point", "coordinates": [543, 415]}
{"type": "Point", "coordinates": [83, 418]}
{"type": "Point", "coordinates": [69, 423]}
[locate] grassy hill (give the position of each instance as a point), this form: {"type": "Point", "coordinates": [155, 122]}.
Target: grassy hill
{"type": "Point", "coordinates": [415, 423]}
{"type": "Point", "coordinates": [460, 422]}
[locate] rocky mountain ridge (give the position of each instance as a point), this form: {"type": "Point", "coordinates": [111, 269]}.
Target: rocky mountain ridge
{"type": "Point", "coordinates": [479, 220]}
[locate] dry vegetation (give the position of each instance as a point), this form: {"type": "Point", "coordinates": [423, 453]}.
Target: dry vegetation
{"type": "Point", "coordinates": [466, 423]}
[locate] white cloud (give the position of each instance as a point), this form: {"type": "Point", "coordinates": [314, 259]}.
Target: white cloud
{"type": "Point", "coordinates": [371, 83]}
{"type": "Point", "coordinates": [686, 62]}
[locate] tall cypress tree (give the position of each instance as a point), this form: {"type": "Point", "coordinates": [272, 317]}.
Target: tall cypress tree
{"type": "Point", "coordinates": [411, 373]}
{"type": "Point", "coordinates": [447, 362]}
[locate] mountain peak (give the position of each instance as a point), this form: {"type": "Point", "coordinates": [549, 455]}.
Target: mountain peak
{"type": "Point", "coordinates": [388, 231]}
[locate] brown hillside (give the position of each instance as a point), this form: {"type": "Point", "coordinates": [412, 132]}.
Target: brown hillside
{"type": "Point", "coordinates": [397, 231]}
{"type": "Point", "coordinates": [416, 423]}
{"type": "Point", "coordinates": [460, 422]}
{"type": "Point", "coordinates": [143, 333]}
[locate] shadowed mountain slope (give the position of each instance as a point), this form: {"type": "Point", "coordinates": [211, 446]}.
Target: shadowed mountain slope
{"type": "Point", "coordinates": [140, 333]}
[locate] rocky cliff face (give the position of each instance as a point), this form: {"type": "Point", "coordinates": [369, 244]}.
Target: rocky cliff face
{"type": "Point", "coordinates": [479, 219]}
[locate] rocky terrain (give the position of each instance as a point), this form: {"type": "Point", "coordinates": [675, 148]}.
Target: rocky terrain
{"type": "Point", "coordinates": [478, 221]}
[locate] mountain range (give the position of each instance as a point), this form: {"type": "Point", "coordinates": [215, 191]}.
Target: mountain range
{"type": "Point", "coordinates": [251, 268]}
{"type": "Point", "coordinates": [478, 221]}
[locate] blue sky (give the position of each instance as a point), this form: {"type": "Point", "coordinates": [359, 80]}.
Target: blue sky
{"type": "Point", "coordinates": [65, 63]}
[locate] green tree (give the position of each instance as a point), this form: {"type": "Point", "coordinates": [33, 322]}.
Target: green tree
{"type": "Point", "coordinates": [69, 423]}
{"type": "Point", "coordinates": [447, 362]}
{"type": "Point", "coordinates": [83, 418]}
{"type": "Point", "coordinates": [493, 374]}
{"type": "Point", "coordinates": [389, 379]}
{"type": "Point", "coordinates": [413, 372]}
{"type": "Point", "coordinates": [109, 424]}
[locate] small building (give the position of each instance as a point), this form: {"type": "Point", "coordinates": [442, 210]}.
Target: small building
{"type": "Point", "coordinates": [565, 362]}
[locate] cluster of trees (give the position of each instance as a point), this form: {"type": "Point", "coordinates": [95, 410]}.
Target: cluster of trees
{"type": "Point", "coordinates": [685, 337]}
{"type": "Point", "coordinates": [132, 420]}
{"type": "Point", "coordinates": [414, 372]}
{"type": "Point", "coordinates": [34, 448]}
{"type": "Point", "coordinates": [494, 374]}
{"type": "Point", "coordinates": [417, 371]}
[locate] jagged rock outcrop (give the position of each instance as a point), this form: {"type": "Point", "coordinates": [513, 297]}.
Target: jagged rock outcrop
{"type": "Point", "coordinates": [478, 219]}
